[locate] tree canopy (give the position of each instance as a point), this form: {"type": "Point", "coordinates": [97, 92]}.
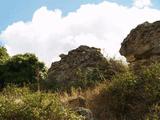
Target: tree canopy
{"type": "Point", "coordinates": [4, 56]}
{"type": "Point", "coordinates": [21, 69]}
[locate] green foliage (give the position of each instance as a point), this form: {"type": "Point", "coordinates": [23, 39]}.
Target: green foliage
{"type": "Point", "coordinates": [4, 56]}
{"type": "Point", "coordinates": [22, 104]}
{"type": "Point", "coordinates": [154, 113]}
{"type": "Point", "coordinates": [131, 96]}
{"type": "Point", "coordinates": [117, 67]}
{"type": "Point", "coordinates": [88, 78]}
{"type": "Point", "coordinates": [22, 69]}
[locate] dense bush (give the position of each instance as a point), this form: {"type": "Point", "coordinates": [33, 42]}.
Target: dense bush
{"type": "Point", "coordinates": [21, 104]}
{"type": "Point", "coordinates": [4, 56]}
{"type": "Point", "coordinates": [131, 96]}
{"type": "Point", "coordinates": [22, 69]}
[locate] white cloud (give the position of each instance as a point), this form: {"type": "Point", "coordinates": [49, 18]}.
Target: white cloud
{"type": "Point", "coordinates": [49, 34]}
{"type": "Point", "coordinates": [142, 3]}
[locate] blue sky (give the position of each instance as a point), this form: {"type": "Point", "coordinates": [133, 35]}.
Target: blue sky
{"type": "Point", "coordinates": [16, 10]}
{"type": "Point", "coordinates": [103, 25]}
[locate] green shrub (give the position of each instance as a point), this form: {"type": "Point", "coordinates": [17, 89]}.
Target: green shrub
{"type": "Point", "coordinates": [154, 113]}
{"type": "Point", "coordinates": [131, 96]}
{"type": "Point", "coordinates": [22, 69]}
{"type": "Point", "coordinates": [22, 104]}
{"type": "Point", "coordinates": [4, 56]}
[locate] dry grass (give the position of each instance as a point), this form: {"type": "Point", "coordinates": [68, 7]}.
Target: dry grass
{"type": "Point", "coordinates": [93, 97]}
{"type": "Point", "coordinates": [88, 94]}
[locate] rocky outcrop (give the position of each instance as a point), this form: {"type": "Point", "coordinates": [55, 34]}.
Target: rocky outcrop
{"type": "Point", "coordinates": [80, 66]}
{"type": "Point", "coordinates": [142, 46]}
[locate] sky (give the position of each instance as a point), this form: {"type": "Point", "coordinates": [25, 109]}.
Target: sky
{"type": "Point", "coordinates": [51, 27]}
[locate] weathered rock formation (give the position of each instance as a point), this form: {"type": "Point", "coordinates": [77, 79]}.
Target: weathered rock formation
{"type": "Point", "coordinates": [81, 65]}
{"type": "Point", "coordinates": [142, 46]}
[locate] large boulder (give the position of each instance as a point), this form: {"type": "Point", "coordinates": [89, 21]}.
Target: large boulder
{"type": "Point", "coordinates": [142, 46]}
{"type": "Point", "coordinates": [82, 65]}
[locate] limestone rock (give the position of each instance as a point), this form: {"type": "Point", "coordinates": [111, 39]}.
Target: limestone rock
{"type": "Point", "coordinates": [142, 45]}
{"type": "Point", "coordinates": [81, 65]}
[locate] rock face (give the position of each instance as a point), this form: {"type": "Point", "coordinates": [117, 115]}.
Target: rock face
{"type": "Point", "coordinates": [83, 63]}
{"type": "Point", "coordinates": [142, 46]}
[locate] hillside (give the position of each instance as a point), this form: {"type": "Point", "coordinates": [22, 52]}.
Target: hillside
{"type": "Point", "coordinates": [85, 85]}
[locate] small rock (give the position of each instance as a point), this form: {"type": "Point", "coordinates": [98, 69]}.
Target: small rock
{"type": "Point", "coordinates": [84, 112]}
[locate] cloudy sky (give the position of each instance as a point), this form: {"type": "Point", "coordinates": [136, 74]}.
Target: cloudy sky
{"type": "Point", "coordinates": [51, 27]}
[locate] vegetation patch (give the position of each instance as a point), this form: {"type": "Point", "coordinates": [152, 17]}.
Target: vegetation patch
{"type": "Point", "coordinates": [22, 104]}
{"type": "Point", "coordinates": [131, 96]}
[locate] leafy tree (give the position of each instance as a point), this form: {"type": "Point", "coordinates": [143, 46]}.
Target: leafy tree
{"type": "Point", "coordinates": [4, 56]}
{"type": "Point", "coordinates": [23, 69]}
